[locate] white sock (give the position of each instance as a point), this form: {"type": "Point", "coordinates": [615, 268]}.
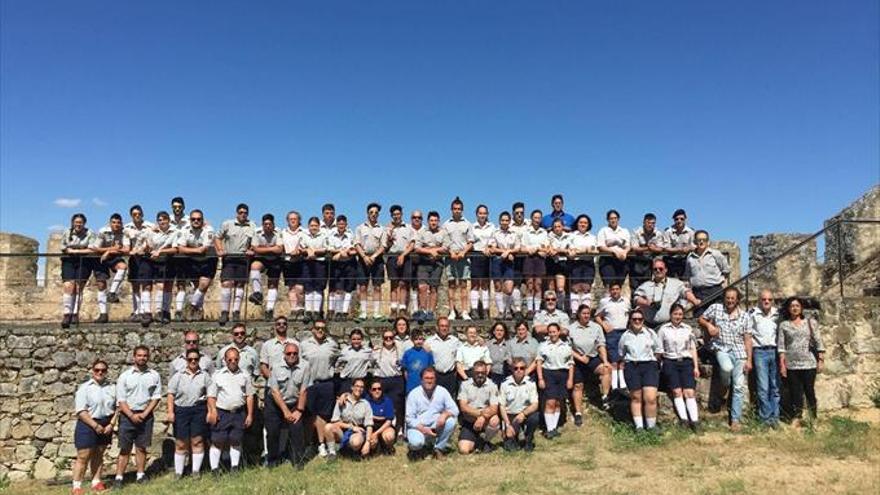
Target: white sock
{"type": "Point", "coordinates": [551, 420]}
{"type": "Point", "coordinates": [197, 459]}
{"type": "Point", "coordinates": [77, 299]}
{"type": "Point", "coordinates": [180, 300]}
{"type": "Point", "coordinates": [140, 475]}
{"type": "Point", "coordinates": [197, 297]}
{"type": "Point", "coordinates": [256, 281]}
{"type": "Point", "coordinates": [650, 422]}
{"type": "Point", "coordinates": [560, 300]}
{"type": "Point", "coordinates": [517, 299]}
{"type": "Point", "coordinates": [145, 302]}
{"type": "Point", "coordinates": [346, 303]}
{"type": "Point", "coordinates": [414, 300]}
{"type": "Point", "coordinates": [135, 301]}
{"type": "Point", "coordinates": [118, 477]}
{"type": "Point", "coordinates": [680, 408]}
{"type": "Point", "coordinates": [239, 296]}
{"type": "Point", "coordinates": [484, 300]}
{"type": "Point", "coordinates": [117, 281]}
{"type": "Point", "coordinates": [499, 302]}
{"type": "Point", "coordinates": [692, 409]}
{"type": "Point", "coordinates": [95, 481]}
{"type": "Point", "coordinates": [377, 307]}
{"type": "Point", "coordinates": [530, 302]}
{"type": "Point", "coordinates": [613, 379]}
{"type": "Point", "coordinates": [318, 301]}
{"type": "Point", "coordinates": [179, 463]}
{"type": "Point", "coordinates": [77, 484]}
{"type": "Point", "coordinates": [67, 303]}
{"type": "Point", "coordinates": [225, 297]}
{"type": "Point", "coordinates": [638, 421]}
{"type": "Point", "coordinates": [214, 457]}
{"type": "Point", "coordinates": [234, 456]}
{"type": "Point", "coordinates": [363, 304]}
{"type": "Point", "coordinates": [271, 299]}
{"type": "Point", "coordinates": [333, 301]}
{"type": "Point", "coordinates": [575, 302]}
{"type": "Point", "coordinates": [164, 301]}
{"type": "Point", "coordinates": [102, 301]}
{"type": "Point", "coordinates": [620, 379]}
{"type": "Point", "coordinates": [508, 302]}
{"type": "Point", "coordinates": [474, 298]}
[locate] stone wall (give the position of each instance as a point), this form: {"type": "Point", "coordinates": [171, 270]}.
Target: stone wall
{"type": "Point", "coordinates": [858, 242]}
{"type": "Point", "coordinates": [797, 273]}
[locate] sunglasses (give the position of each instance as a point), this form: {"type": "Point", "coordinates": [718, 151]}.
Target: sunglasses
{"type": "Point", "coordinates": [519, 368]}
{"type": "Point", "coordinates": [191, 341]}
{"type": "Point", "coordinates": [238, 334]}
{"type": "Point", "coordinates": [280, 323]}
{"type": "Point", "coordinates": [190, 360]}
{"type": "Point", "coordinates": [99, 370]}
{"type": "Point", "coordinates": [387, 337]}
{"type": "Point", "coordinates": [321, 328]}
{"type": "Point", "coordinates": [415, 218]}
{"type": "Point", "coordinates": [550, 299]}
{"type": "Point", "coordinates": [197, 219]}
{"type": "Point", "coordinates": [376, 389]}
{"type": "Point", "coordinates": [701, 240]}
{"type": "Point", "coordinates": [638, 319]}
{"type": "Point", "coordinates": [291, 353]}
{"type": "Point", "coordinates": [660, 269]}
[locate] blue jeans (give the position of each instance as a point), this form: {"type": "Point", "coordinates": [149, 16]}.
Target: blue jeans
{"type": "Point", "coordinates": [416, 439]}
{"type": "Point", "coordinates": [767, 378]}
{"type": "Point", "coordinates": [731, 374]}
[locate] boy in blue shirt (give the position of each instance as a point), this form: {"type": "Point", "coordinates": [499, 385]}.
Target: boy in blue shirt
{"type": "Point", "coordinates": [415, 360]}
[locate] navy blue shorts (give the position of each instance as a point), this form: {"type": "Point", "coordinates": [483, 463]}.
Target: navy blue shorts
{"type": "Point", "coordinates": [480, 266]}
{"type": "Point", "coordinates": [612, 339]}
{"type": "Point", "coordinates": [679, 373]}
{"type": "Point", "coordinates": [321, 399]}
{"type": "Point", "coordinates": [556, 267]}
{"type": "Point", "coordinates": [234, 269]}
{"type": "Point", "coordinates": [190, 421]}
{"type": "Point", "coordinates": [467, 432]}
{"type": "Point", "coordinates": [534, 267]}
{"type": "Point", "coordinates": [639, 374]}
{"type": "Point", "coordinates": [612, 270]}
{"type": "Point", "coordinates": [140, 436]}
{"type": "Point", "coordinates": [271, 266]}
{"type": "Point", "coordinates": [314, 275]}
{"type": "Point", "coordinates": [554, 381]}
{"type": "Point", "coordinates": [76, 268]}
{"type": "Point", "coordinates": [154, 270]}
{"type": "Point", "coordinates": [581, 271]}
{"type": "Point", "coordinates": [343, 275]}
{"type": "Point", "coordinates": [399, 273]}
{"type": "Point", "coordinates": [374, 273]}
{"type": "Point", "coordinates": [503, 269]}
{"type": "Point", "coordinates": [582, 372]}
{"type": "Point", "coordinates": [104, 269]}
{"type": "Point", "coordinates": [194, 269]}
{"type": "Point", "coordinates": [346, 438]}
{"type": "Point", "coordinates": [229, 427]}
{"type": "Point", "coordinates": [292, 271]}
{"type": "Point", "coordinates": [84, 437]}
{"type": "Point", "coordinates": [138, 269]}
{"type": "Point", "coordinates": [429, 272]}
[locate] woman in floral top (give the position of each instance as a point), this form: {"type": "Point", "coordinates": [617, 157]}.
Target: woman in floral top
{"type": "Point", "coordinates": [797, 339]}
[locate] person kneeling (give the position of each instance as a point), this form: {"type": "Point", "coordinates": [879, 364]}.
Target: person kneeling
{"type": "Point", "coordinates": [519, 408]}
{"type": "Point", "coordinates": [478, 402]}
{"type": "Point", "coordinates": [430, 417]}
{"type": "Point", "coordinates": [351, 424]}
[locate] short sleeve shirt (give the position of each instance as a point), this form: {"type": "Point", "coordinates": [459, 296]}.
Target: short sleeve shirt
{"type": "Point", "coordinates": [516, 397]}
{"type": "Point", "coordinates": [399, 237]}
{"type": "Point", "coordinates": [289, 380]}
{"type": "Point", "coordinates": [582, 243]}
{"type": "Point", "coordinates": [666, 293]}
{"type": "Point", "coordinates": [290, 239]}
{"type": "Point", "coordinates": [500, 354]}
{"type": "Point", "coordinates": [444, 351]}
{"type": "Point", "coordinates": [614, 311]}
{"type": "Point", "coordinates": [482, 235]}
{"type": "Point", "coordinates": [458, 234]}
{"type": "Point", "coordinates": [467, 355]}
{"type": "Point", "coordinates": [317, 241]}
{"type": "Point", "coordinates": [370, 238]}
{"type": "Point", "coordinates": [707, 269]}
{"type": "Point", "coordinates": [679, 240]}
{"type": "Point", "coordinates": [387, 362]}
{"type": "Point", "coordinates": [230, 389]}
{"type": "Point", "coordinates": [98, 399]}
{"type": "Point", "coordinates": [639, 346]}
{"type": "Point", "coordinates": [478, 397]}
{"type": "Point", "coordinates": [355, 362]}
{"type": "Point", "coordinates": [189, 388]}
{"type": "Point", "coordinates": [237, 236]}
{"type": "Point", "coordinates": [643, 239]}
{"type": "Point", "coordinates": [354, 412]}
{"type": "Point", "coordinates": [107, 238]}
{"type": "Point", "coordinates": [677, 342]}
{"type": "Point", "coordinates": [733, 327]}
{"type": "Point", "coordinates": [428, 239]}
{"type": "Point", "coordinates": [73, 240]}
{"type": "Point", "coordinates": [321, 357]}
{"type": "Point", "coordinates": [555, 356]}
{"type": "Point", "coordinates": [587, 339]}
{"type": "Point", "coordinates": [526, 349]}
{"type": "Point", "coordinates": [137, 388]}
{"type": "Point", "coordinates": [609, 237]}
{"type": "Point", "coordinates": [504, 240]}
{"type": "Point", "coordinates": [532, 238]}
{"type": "Point", "coordinates": [196, 238]}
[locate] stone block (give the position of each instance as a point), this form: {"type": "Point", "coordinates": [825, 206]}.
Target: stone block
{"type": "Point", "coordinates": [21, 430]}
{"type": "Point", "coordinates": [5, 428]}
{"type": "Point", "coordinates": [46, 431]}
{"type": "Point", "coordinates": [44, 469]}
{"type": "Point", "coordinates": [63, 359]}
{"type": "Point", "coordinates": [25, 453]}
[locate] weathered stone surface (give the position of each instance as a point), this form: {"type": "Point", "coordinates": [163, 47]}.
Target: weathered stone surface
{"type": "Point", "coordinates": [46, 432]}
{"type": "Point", "coordinates": [64, 359]}
{"type": "Point", "coordinates": [25, 453]}
{"type": "Point", "coordinates": [5, 428]}
{"type": "Point", "coordinates": [44, 469]}
{"type": "Point", "coordinates": [21, 430]}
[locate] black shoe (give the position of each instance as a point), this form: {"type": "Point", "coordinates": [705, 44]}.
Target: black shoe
{"type": "Point", "coordinates": [488, 448]}
{"type": "Point", "coordinates": [134, 317]}
{"type": "Point", "coordinates": [178, 316]}
{"type": "Point", "coordinates": [74, 320]}
{"type": "Point", "coordinates": [236, 316]}
{"type": "Point", "coordinates": [112, 298]}
{"type": "Point", "coordinates": [530, 315]}
{"type": "Point", "coordinates": [166, 317]}
{"type": "Point", "coordinates": [510, 445]}
{"type": "Point", "coordinates": [224, 318]}
{"type": "Point", "coordinates": [146, 319]}
{"type": "Point", "coordinates": [475, 315]}
{"type": "Point", "coordinates": [103, 318]}
{"type": "Point", "coordinates": [578, 420]}
{"type": "Point", "coordinates": [256, 298]}
{"type": "Point", "coordinates": [117, 484]}
{"type": "Point", "coordinates": [696, 428]}
{"type": "Point", "coordinates": [529, 446]}
{"type": "Point", "coordinates": [269, 315]}
{"type": "Point", "coordinates": [65, 321]}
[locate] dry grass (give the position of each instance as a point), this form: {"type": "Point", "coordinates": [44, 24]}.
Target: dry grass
{"type": "Point", "coordinates": [837, 455]}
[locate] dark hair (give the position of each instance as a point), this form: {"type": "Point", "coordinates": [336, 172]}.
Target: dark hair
{"type": "Point", "coordinates": [116, 216]}
{"type": "Point", "coordinates": [554, 324]}
{"type": "Point", "coordinates": [394, 325]}
{"type": "Point", "coordinates": [243, 206]}
{"type": "Point", "coordinates": [481, 205]}
{"type": "Point", "coordinates": [581, 308]}
{"type": "Point", "coordinates": [610, 212]}
{"type": "Point", "coordinates": [280, 317]}
{"type": "Point", "coordinates": [679, 212]}
{"type": "Point", "coordinates": [395, 208]}
{"type": "Point", "coordinates": [242, 325]}
{"type": "Point", "coordinates": [674, 307]}
{"type": "Point", "coordinates": [555, 197]}
{"type": "Point", "coordinates": [589, 221]}
{"type": "Point", "coordinates": [163, 214]}
{"type": "Point", "coordinates": [433, 213]}
{"type": "Point", "coordinates": [701, 231]}
{"type": "Point", "coordinates": [135, 208]}
{"type": "Point", "coordinates": [193, 351]}
{"type": "Point", "coordinates": [518, 204]}
{"type": "Point", "coordinates": [178, 199]}
{"type": "Point", "coordinates": [355, 331]}
{"type": "Point", "coordinates": [72, 218]}
{"type": "Point", "coordinates": [786, 307]}
{"type": "Point", "coordinates": [429, 369]}
{"type": "Point", "coordinates": [342, 218]}
{"type": "Point", "coordinates": [319, 320]}
{"type": "Point", "coordinates": [634, 312]}
{"type": "Point", "coordinates": [200, 212]}
{"type": "Point", "coordinates": [649, 216]}
{"type": "Point", "coordinates": [520, 322]}
{"type": "Point", "coordinates": [557, 220]}
{"type": "Point", "coordinates": [374, 205]}
{"type": "Point", "coordinates": [735, 290]}
{"type": "Point", "coordinates": [140, 347]}
{"type": "Point", "coordinates": [417, 334]}
{"type": "Point", "coordinates": [499, 323]}
{"type": "Point", "coordinates": [480, 363]}
{"type": "Point", "coordinates": [503, 214]}
{"type": "Point", "coordinates": [536, 211]}
{"type": "Point", "coordinates": [456, 201]}
{"type": "Point", "coordinates": [269, 216]}
{"type": "Point", "coordinates": [314, 219]}
{"type": "Point", "coordinates": [99, 361]}
{"type": "Point", "coordinates": [328, 207]}
{"type": "Point", "coordinates": [615, 282]}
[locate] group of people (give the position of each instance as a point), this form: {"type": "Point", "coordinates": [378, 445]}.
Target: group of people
{"type": "Point", "coordinates": [517, 259]}
{"type": "Point", "coordinates": [360, 399]}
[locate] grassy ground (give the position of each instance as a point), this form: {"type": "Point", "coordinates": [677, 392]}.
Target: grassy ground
{"type": "Point", "coordinates": [839, 454]}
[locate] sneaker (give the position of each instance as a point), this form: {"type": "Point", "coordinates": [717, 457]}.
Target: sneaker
{"type": "Point", "coordinates": [429, 316]}
{"type": "Point", "coordinates": [466, 316]}
{"type": "Point", "coordinates": [134, 317]}
{"type": "Point", "coordinates": [451, 316]}
{"type": "Point", "coordinates": [361, 316]}
{"type": "Point", "coordinates": [475, 314]}
{"type": "Point", "coordinates": [418, 315]}
{"type": "Point", "coordinates": [299, 315]}
{"type": "Point", "coordinates": [529, 446]}
{"type": "Point", "coordinates": [112, 297]}
{"type": "Point", "coordinates": [439, 454]}
{"type": "Point", "coordinates": [146, 319]}
{"type": "Point", "coordinates": [78, 491]}
{"type": "Point", "coordinates": [74, 320]}
{"type": "Point", "coordinates": [578, 420]}
{"type": "Point", "coordinates": [269, 315]}
{"type": "Point", "coordinates": [166, 317]}
{"type": "Point", "coordinates": [510, 445]}
{"type": "Point", "coordinates": [178, 316]}
{"type": "Point", "coordinates": [695, 427]}
{"type": "Point", "coordinates": [487, 448]}
{"type": "Point", "coordinates": [103, 318]}
{"type": "Point", "coordinates": [378, 317]}
{"type": "Point", "coordinates": [65, 321]}
{"type": "Point", "coordinates": [236, 316]}
{"type": "Point", "coordinates": [331, 456]}
{"type": "Point", "coordinates": [224, 318]}
{"type": "Point", "coordinates": [322, 450]}
{"type": "Point", "coordinates": [256, 298]}
{"type": "Point", "coordinates": [99, 487]}
{"type": "Point", "coordinates": [141, 481]}
{"type": "Point", "coordinates": [117, 484]}
{"type": "Point", "coordinates": [530, 315]}
{"type": "Point", "coordinates": [308, 317]}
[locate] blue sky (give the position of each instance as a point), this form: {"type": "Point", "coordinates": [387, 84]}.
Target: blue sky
{"type": "Point", "coordinates": [754, 116]}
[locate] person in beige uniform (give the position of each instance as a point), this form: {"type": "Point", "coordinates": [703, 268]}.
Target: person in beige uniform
{"type": "Point", "coordinates": [232, 243]}
{"type": "Point", "coordinates": [196, 244]}
{"type": "Point", "coordinates": [265, 254]}
{"type": "Point", "coordinates": [459, 242]}
{"type": "Point", "coordinates": [400, 239]}
{"type": "Point", "coordinates": [230, 410]}
{"type": "Point", "coordinates": [370, 240]}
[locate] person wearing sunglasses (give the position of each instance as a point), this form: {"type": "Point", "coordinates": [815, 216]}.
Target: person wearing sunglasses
{"type": "Point", "coordinates": [389, 377]}
{"type": "Point", "coordinates": [681, 367]}
{"type": "Point", "coordinates": [518, 400]}
{"type": "Point", "coordinates": [231, 404]}
{"type": "Point", "coordinates": [195, 245]}
{"type": "Point", "coordinates": [287, 390]}
{"type": "Point", "coordinates": [550, 314]}
{"type": "Point", "coordinates": [384, 412]}
{"type": "Point", "coordinates": [138, 391]}
{"type": "Point", "coordinates": [112, 244]}
{"type": "Point", "coordinates": [265, 255]}
{"type": "Point", "coordinates": [706, 270]}
{"type": "Point", "coordinates": [679, 242]}
{"type": "Point", "coordinates": [76, 267]}
{"type": "Point", "coordinates": [400, 242]}
{"type": "Point", "coordinates": [612, 314]}
{"type": "Point", "coordinates": [647, 243]}
{"type": "Point", "coordinates": [232, 242]}
{"type": "Point", "coordinates": [655, 297]}
{"type": "Point", "coordinates": [478, 411]}
{"type": "Point", "coordinates": [352, 423]}
{"type": "Point", "coordinates": [190, 342]}
{"type": "Point", "coordinates": [555, 367]}
{"type": "Point", "coordinates": [187, 410]}
{"type": "Point", "coordinates": [431, 245]}
{"type": "Point", "coordinates": [590, 358]}
{"type": "Point", "coordinates": [249, 359]}
{"type": "Point", "coordinates": [518, 225]}
{"type": "Point", "coordinates": [176, 268]}
{"type": "Point", "coordinates": [321, 352]}
{"type": "Point", "coordinates": [95, 404]}
{"type": "Point", "coordinates": [638, 349]}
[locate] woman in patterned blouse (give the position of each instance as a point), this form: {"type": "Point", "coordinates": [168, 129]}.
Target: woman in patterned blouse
{"type": "Point", "coordinates": [801, 356]}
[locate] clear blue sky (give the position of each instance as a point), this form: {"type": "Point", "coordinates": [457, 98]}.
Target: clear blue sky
{"type": "Point", "coordinates": [754, 116]}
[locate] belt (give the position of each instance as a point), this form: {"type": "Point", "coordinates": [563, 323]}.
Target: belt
{"type": "Point", "coordinates": [678, 359]}
{"type": "Point", "coordinates": [232, 411]}
{"type": "Point", "coordinates": [765, 347]}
